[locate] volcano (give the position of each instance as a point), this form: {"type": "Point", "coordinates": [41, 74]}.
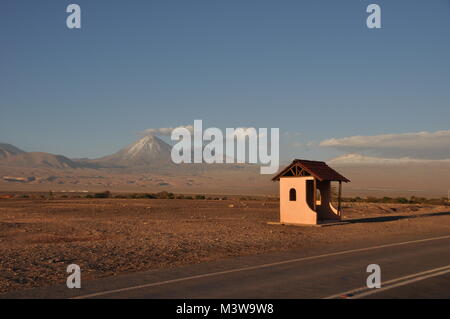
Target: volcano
{"type": "Point", "coordinates": [148, 150]}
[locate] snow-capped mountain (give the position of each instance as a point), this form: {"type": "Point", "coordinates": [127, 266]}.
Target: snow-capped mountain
{"type": "Point", "coordinates": [147, 150]}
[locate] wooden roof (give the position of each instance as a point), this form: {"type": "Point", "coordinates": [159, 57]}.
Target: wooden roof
{"type": "Point", "coordinates": [319, 170]}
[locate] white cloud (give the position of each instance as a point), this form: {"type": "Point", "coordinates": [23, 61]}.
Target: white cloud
{"type": "Point", "coordinates": [425, 145]}
{"type": "Point", "coordinates": [358, 159]}
{"type": "Point", "coordinates": [166, 131]}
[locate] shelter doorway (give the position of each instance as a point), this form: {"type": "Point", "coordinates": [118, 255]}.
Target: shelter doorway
{"type": "Point", "coordinates": [310, 192]}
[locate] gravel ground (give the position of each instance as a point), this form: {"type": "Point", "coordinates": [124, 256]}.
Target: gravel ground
{"type": "Point", "coordinates": [40, 238]}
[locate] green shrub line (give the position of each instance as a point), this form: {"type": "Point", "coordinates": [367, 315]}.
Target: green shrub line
{"type": "Point", "coordinates": [164, 195]}
{"type": "Point", "coordinates": [167, 195]}
{"type": "Point", "coordinates": [160, 195]}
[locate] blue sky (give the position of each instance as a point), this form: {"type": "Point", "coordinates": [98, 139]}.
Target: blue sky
{"type": "Point", "coordinates": [311, 68]}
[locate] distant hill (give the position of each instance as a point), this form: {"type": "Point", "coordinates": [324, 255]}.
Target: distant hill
{"type": "Point", "coordinates": [8, 150]}
{"type": "Point", "coordinates": [39, 160]}
{"type": "Point", "coordinates": [12, 156]}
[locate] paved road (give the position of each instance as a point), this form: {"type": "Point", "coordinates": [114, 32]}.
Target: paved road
{"type": "Point", "coordinates": [409, 269]}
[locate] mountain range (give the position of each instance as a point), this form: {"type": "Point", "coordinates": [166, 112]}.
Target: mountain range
{"type": "Point", "coordinates": [145, 165]}
{"type": "Point", "coordinates": [149, 150]}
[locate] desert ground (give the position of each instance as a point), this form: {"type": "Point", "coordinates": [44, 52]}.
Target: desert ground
{"type": "Point", "coordinates": [40, 237]}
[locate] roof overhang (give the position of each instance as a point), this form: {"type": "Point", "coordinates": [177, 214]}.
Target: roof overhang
{"type": "Point", "coordinates": [319, 170]}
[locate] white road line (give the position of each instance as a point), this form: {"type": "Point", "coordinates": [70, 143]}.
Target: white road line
{"type": "Point", "coordinates": [407, 282]}
{"type": "Point", "coordinates": [108, 292]}
{"type": "Point", "coordinates": [401, 281]}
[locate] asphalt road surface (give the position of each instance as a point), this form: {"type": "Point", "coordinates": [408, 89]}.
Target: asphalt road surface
{"type": "Point", "coordinates": [417, 268]}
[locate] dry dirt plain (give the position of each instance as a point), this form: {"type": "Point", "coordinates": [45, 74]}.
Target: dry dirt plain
{"type": "Point", "coordinates": [39, 238]}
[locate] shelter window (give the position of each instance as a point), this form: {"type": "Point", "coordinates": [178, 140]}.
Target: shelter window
{"type": "Point", "coordinates": [292, 195]}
